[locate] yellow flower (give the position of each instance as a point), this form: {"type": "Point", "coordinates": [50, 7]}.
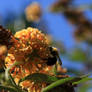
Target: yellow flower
{"type": "Point", "coordinates": [33, 12]}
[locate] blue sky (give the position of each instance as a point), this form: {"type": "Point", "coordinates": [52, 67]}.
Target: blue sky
{"type": "Point", "coordinates": [58, 25]}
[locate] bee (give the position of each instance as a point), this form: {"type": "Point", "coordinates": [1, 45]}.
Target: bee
{"type": "Point", "coordinates": [55, 56]}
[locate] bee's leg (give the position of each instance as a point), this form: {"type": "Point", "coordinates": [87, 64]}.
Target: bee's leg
{"type": "Point", "coordinates": [59, 59]}
{"type": "Point", "coordinates": [57, 54]}
{"type": "Point", "coordinates": [55, 68]}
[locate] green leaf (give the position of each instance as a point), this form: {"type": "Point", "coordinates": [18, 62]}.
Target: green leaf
{"type": "Point", "coordinates": [60, 82]}
{"type": "Point", "coordinates": [83, 80]}
{"type": "Point", "coordinates": [52, 80]}
{"type": "Point", "coordinates": [77, 55]}
{"type": "Point", "coordinates": [64, 81]}
{"type": "Point", "coordinates": [40, 77]}
{"type": "Point", "coordinates": [11, 89]}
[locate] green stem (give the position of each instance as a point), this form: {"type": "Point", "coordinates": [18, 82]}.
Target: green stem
{"type": "Point", "coordinates": [8, 69]}
{"type": "Point", "coordinates": [7, 75]}
{"type": "Point", "coordinates": [57, 83]}
{"type": "Point", "coordinates": [83, 80]}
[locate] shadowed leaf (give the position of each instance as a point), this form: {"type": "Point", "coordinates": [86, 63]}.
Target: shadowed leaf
{"type": "Point", "coordinates": [39, 77]}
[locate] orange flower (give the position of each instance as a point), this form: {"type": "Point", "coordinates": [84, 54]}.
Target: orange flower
{"type": "Point", "coordinates": [30, 50]}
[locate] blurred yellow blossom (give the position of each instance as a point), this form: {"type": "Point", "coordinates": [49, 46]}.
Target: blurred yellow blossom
{"type": "Point", "coordinates": [3, 51]}
{"type": "Point", "coordinates": [33, 12]}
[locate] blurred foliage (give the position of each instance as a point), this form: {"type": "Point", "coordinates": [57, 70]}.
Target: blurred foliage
{"type": "Point", "coordinates": [83, 28]}
{"type": "Point", "coordinates": [77, 55]}
{"type": "Point", "coordinates": [82, 34]}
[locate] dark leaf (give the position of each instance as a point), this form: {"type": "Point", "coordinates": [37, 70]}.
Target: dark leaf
{"type": "Point", "coordinates": [40, 77]}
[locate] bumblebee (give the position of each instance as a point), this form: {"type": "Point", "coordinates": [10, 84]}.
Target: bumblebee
{"type": "Point", "coordinates": [55, 56]}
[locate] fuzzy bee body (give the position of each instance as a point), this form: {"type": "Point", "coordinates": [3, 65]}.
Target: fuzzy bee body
{"type": "Point", "coordinates": [51, 61]}
{"type": "Point", "coordinates": [55, 56]}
